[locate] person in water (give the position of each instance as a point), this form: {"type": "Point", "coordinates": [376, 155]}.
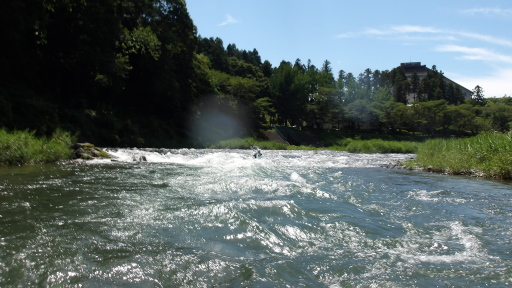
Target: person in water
{"type": "Point", "coordinates": [257, 152]}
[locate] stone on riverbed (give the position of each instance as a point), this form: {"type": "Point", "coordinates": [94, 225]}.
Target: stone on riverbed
{"type": "Point", "coordinates": [88, 151]}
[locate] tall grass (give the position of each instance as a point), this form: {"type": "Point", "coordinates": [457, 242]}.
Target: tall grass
{"type": "Point", "coordinates": [22, 147]}
{"type": "Point", "coordinates": [381, 146]}
{"type": "Point", "coordinates": [346, 144]}
{"type": "Point", "coordinates": [246, 143]}
{"type": "Point", "coordinates": [487, 154]}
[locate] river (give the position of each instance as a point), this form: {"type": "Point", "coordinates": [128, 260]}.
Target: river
{"type": "Point", "coordinates": [221, 218]}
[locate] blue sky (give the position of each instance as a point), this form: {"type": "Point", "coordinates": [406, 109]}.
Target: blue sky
{"type": "Point", "coordinates": [470, 41]}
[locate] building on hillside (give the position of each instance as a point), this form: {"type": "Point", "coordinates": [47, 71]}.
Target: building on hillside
{"type": "Point", "coordinates": [422, 70]}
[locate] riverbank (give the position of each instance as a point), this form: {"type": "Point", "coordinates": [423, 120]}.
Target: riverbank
{"type": "Point", "coordinates": [352, 145]}
{"type": "Point", "coordinates": [487, 155]}
{"type": "Point", "coordinates": [22, 147]}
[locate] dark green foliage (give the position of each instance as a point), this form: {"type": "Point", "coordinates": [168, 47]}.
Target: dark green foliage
{"type": "Point", "coordinates": [102, 69]}
{"type": "Point", "coordinates": [478, 96]}
{"type": "Point", "coordinates": [288, 86]}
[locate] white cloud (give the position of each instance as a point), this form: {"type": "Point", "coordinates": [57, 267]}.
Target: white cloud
{"type": "Point", "coordinates": [414, 29]}
{"type": "Point", "coordinates": [228, 20]}
{"type": "Point", "coordinates": [471, 53]}
{"type": "Point", "coordinates": [486, 38]}
{"type": "Point", "coordinates": [399, 30]}
{"type": "Point", "coordinates": [496, 84]}
{"type": "Point", "coordinates": [488, 11]}
{"type": "Point", "coordinates": [440, 34]}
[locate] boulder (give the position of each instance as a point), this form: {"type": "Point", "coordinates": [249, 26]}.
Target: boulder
{"type": "Point", "coordinates": [88, 151]}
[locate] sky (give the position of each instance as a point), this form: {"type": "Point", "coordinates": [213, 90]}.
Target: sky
{"type": "Point", "coordinates": [469, 41]}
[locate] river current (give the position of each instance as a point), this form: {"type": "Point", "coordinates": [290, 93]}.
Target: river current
{"type": "Point", "coordinates": [221, 218]}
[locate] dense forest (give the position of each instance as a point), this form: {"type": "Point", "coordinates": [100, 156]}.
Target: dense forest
{"type": "Point", "coordinates": [137, 73]}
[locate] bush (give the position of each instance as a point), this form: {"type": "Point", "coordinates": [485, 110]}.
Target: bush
{"type": "Point", "coordinates": [22, 147]}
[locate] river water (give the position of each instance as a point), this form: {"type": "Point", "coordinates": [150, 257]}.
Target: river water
{"type": "Point", "coordinates": [220, 218]}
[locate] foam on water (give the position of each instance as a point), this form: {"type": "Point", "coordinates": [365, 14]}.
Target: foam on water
{"type": "Point", "coordinates": [239, 157]}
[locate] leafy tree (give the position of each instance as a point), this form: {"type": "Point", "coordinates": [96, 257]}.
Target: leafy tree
{"type": "Point", "coordinates": [289, 91]}
{"type": "Point", "coordinates": [477, 95]}
{"type": "Point", "coordinates": [351, 89]}
{"type": "Point", "coordinates": [326, 67]}
{"type": "Point", "coordinates": [430, 115]}
{"type": "Point", "coordinates": [213, 48]}
{"type": "Point", "coordinates": [461, 118]}
{"type": "Point", "coordinates": [243, 69]}
{"type": "Point", "coordinates": [360, 112]}
{"type": "Point", "coordinates": [454, 94]}
{"type": "Point", "coordinates": [499, 115]}
{"type": "Point", "coordinates": [415, 85]}
{"type": "Point", "coordinates": [400, 117]}
{"type": "Point", "coordinates": [400, 84]}
{"type": "Point", "coordinates": [383, 106]}
{"type": "Point", "coordinates": [266, 69]}
{"type": "Point", "coordinates": [299, 66]}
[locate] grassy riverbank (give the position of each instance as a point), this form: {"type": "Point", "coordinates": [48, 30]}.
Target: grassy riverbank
{"type": "Point", "coordinates": [344, 144]}
{"type": "Point", "coordinates": [22, 147]}
{"type": "Point", "coordinates": [375, 146]}
{"type": "Point", "coordinates": [487, 155]}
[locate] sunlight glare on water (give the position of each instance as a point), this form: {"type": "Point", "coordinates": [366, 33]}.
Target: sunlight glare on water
{"type": "Point", "coordinates": [203, 218]}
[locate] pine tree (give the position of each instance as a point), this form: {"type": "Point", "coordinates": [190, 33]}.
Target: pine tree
{"type": "Point", "coordinates": [478, 96]}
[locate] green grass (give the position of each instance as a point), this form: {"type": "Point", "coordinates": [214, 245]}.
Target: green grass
{"type": "Point", "coordinates": [339, 138]}
{"type": "Point", "coordinates": [246, 143]}
{"type": "Point", "coordinates": [345, 144]}
{"type": "Point", "coordinates": [381, 146]}
{"type": "Point", "coordinates": [488, 155]}
{"type": "Point", "coordinates": [22, 147]}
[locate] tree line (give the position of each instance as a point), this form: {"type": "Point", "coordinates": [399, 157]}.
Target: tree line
{"type": "Point", "coordinates": [137, 73]}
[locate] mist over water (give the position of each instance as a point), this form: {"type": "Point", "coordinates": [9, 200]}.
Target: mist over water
{"type": "Point", "coordinates": [220, 218]}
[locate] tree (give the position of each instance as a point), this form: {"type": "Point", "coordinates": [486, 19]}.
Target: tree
{"type": "Point", "coordinates": [400, 117]}
{"type": "Point", "coordinates": [430, 115]}
{"type": "Point", "coordinates": [365, 81]}
{"type": "Point", "coordinates": [477, 95]}
{"type": "Point", "coordinates": [400, 84]}
{"type": "Point", "coordinates": [213, 48]}
{"type": "Point", "coordinates": [383, 105]}
{"type": "Point", "coordinates": [500, 116]}
{"type": "Point", "coordinates": [351, 88]}
{"type": "Point", "coordinates": [288, 87]}
{"type": "Point", "coordinates": [415, 85]}
{"type": "Point", "coordinates": [266, 69]}
{"type": "Point", "coordinates": [462, 118]}
{"type": "Point", "coordinates": [360, 112]}
{"type": "Point", "coordinates": [326, 67]}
